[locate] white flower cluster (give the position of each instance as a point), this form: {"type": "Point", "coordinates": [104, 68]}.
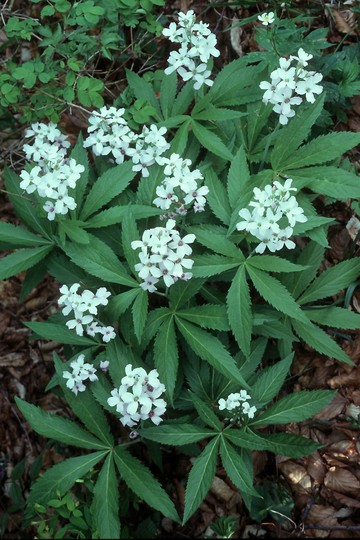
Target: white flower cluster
{"type": "Point", "coordinates": [54, 173]}
{"type": "Point", "coordinates": [197, 45]}
{"type": "Point", "coordinates": [238, 402]}
{"type": "Point", "coordinates": [138, 397]}
{"type": "Point", "coordinates": [80, 304]}
{"type": "Point", "coordinates": [109, 133]}
{"type": "Point", "coordinates": [289, 84]}
{"type": "Point", "coordinates": [267, 18]}
{"type": "Point", "coordinates": [80, 372]}
{"type": "Point", "coordinates": [180, 188]}
{"type": "Point", "coordinates": [163, 254]}
{"type": "Point", "coordinates": [272, 206]}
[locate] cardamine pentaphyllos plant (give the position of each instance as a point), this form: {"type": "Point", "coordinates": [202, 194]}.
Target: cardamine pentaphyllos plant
{"type": "Point", "coordinates": [166, 235]}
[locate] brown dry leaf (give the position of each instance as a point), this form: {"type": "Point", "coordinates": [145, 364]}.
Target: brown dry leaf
{"type": "Point", "coordinates": [336, 407]}
{"type": "Point", "coordinates": [344, 379]}
{"type": "Point", "coordinates": [221, 490]}
{"type": "Point", "coordinates": [342, 480]}
{"type": "Point", "coordinates": [235, 37]}
{"type": "Point", "coordinates": [344, 20]}
{"type": "Point", "coordinates": [323, 516]}
{"type": "Point", "coordinates": [316, 467]}
{"type": "Point", "coordinates": [353, 227]}
{"type": "Point", "coordinates": [297, 476]}
{"type": "Point", "coordinates": [350, 502]}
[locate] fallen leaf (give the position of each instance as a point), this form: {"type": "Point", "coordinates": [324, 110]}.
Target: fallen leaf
{"type": "Point", "coordinates": [342, 481]}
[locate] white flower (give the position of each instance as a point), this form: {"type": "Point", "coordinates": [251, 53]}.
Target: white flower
{"type": "Point", "coordinates": [302, 57]}
{"type": "Point", "coordinates": [49, 207]}
{"type": "Point", "coordinates": [108, 333]}
{"type": "Point", "coordinates": [78, 323]}
{"type": "Point", "coordinates": [267, 18]}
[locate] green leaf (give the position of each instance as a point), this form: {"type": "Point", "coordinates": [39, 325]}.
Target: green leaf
{"type": "Point", "coordinates": [129, 233]}
{"type": "Point", "coordinates": [176, 434]}
{"type": "Point", "coordinates": [142, 89]}
{"type": "Point", "coordinates": [336, 317]}
{"type": "Point", "coordinates": [22, 259]}
{"type": "Point", "coordinates": [275, 293]}
{"type": "Point", "coordinates": [211, 316]}
{"type": "Point", "coordinates": [88, 92]}
{"type": "Point", "coordinates": [320, 341]}
{"type": "Point", "coordinates": [183, 99]}
{"type": "Point", "coordinates": [183, 291]}
{"type": "Point", "coordinates": [269, 381]}
{"type": "Point", "coordinates": [272, 263]}
{"type": "Point", "coordinates": [118, 304]}
{"type": "Point", "coordinates": [211, 265]}
{"type": "Point", "coordinates": [110, 184]}
{"type": "Point", "coordinates": [61, 477]}
{"type": "Point", "coordinates": [155, 319]}
{"type": "Point", "coordinates": [24, 206]}
{"type": "Point", "coordinates": [332, 281]}
{"type": "Point", "coordinates": [105, 504]}
{"type": "Point", "coordinates": [210, 349]}
{"type": "Point", "coordinates": [238, 177]}
{"type": "Point", "coordinates": [236, 468]}
{"type": "Point", "coordinates": [330, 181]}
{"type": "Point", "coordinates": [141, 481]}
{"type": "Point", "coordinates": [58, 332]}
{"type": "Point", "coordinates": [58, 428]}
{"type": "Point", "coordinates": [215, 238]}
{"type": "Point", "coordinates": [217, 197]}
{"type": "Point", "coordinates": [295, 407]}
{"type": "Point", "coordinates": [73, 229]}
{"type": "Point", "coordinates": [166, 356]}
{"type": "Point", "coordinates": [85, 407]}
{"type": "Point", "coordinates": [211, 141]}
{"type": "Point", "coordinates": [116, 214]}
{"type": "Point", "coordinates": [168, 93]}
{"type": "Point", "coordinates": [180, 140]}
{"type": "Point", "coordinates": [215, 114]}
{"type": "Point", "coordinates": [312, 255]}
{"type": "Point", "coordinates": [291, 136]}
{"type": "Point", "coordinates": [200, 478]}
{"type": "Point", "coordinates": [238, 303]}
{"type": "Point", "coordinates": [322, 149]}
{"type": "Point", "coordinates": [283, 444]}
{"type": "Point", "coordinates": [205, 412]}
{"type": "Point", "coordinates": [140, 312]}
{"type": "Point", "coordinates": [81, 157]}
{"type": "Point", "coordinates": [99, 260]}
{"type": "Point", "coordinates": [19, 237]}
{"type": "Point", "coordinates": [234, 85]}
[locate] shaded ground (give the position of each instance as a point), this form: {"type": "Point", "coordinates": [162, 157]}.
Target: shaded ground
{"type": "Point", "coordinates": [324, 487]}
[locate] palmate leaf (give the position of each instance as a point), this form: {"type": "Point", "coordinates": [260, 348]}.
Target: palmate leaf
{"type": "Point", "coordinates": [238, 177]}
{"type": "Point", "coordinates": [330, 181]}
{"type": "Point", "coordinates": [272, 263]}
{"type": "Point", "coordinates": [81, 157]}
{"type": "Point", "coordinates": [19, 237]}
{"type": "Point", "coordinates": [291, 136]}
{"type": "Point", "coordinates": [275, 293]}
{"type": "Point", "coordinates": [183, 291]}
{"type": "Point", "coordinates": [105, 504]}
{"type": "Point", "coordinates": [129, 233]}
{"type": "Point", "coordinates": [211, 141]}
{"type": "Point", "coordinates": [210, 349]}
{"type": "Point", "coordinates": [110, 184]}
{"type": "Point", "coordinates": [142, 89]}
{"type": "Point", "coordinates": [166, 356]}
{"type": "Point", "coordinates": [320, 341]}
{"type": "Point", "coordinates": [269, 381]}
{"type": "Point", "coordinates": [321, 149]}
{"type": "Point", "coordinates": [215, 238]}
{"type": "Point", "coordinates": [61, 477]}
{"type": "Point", "coordinates": [141, 481]}
{"type": "Point", "coordinates": [200, 478]}
{"type": "Point", "coordinates": [85, 407]}
{"type": "Point", "coordinates": [236, 469]}
{"type": "Point", "coordinates": [168, 93]}
{"type": "Point", "coordinates": [312, 255]}
{"type": "Point", "coordinates": [284, 444]}
{"type": "Point", "coordinates": [210, 316]}
{"type": "Point", "coordinates": [176, 434]}
{"type": "Point", "coordinates": [116, 214]}
{"type": "Point", "coordinates": [22, 259]}
{"type": "Point", "coordinates": [140, 312]}
{"type": "Point", "coordinates": [120, 355]}
{"type": "Point", "coordinates": [118, 304]}
{"type": "Point", "coordinates": [211, 265]}
{"type": "Point", "coordinates": [336, 317]}
{"type": "Point", "coordinates": [294, 407]}
{"type": "Point", "coordinates": [332, 281]}
{"type": "Point", "coordinates": [99, 260]}
{"type": "Point", "coordinates": [58, 428]}
{"type": "Point", "coordinates": [238, 302]}
{"type": "Point", "coordinates": [217, 197]}
{"type": "Point", "coordinates": [58, 332]}
{"type": "Point", "coordinates": [206, 414]}
{"type": "Point", "coordinates": [23, 206]}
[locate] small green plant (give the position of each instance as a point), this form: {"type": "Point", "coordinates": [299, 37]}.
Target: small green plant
{"type": "Point", "coordinates": [184, 284]}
